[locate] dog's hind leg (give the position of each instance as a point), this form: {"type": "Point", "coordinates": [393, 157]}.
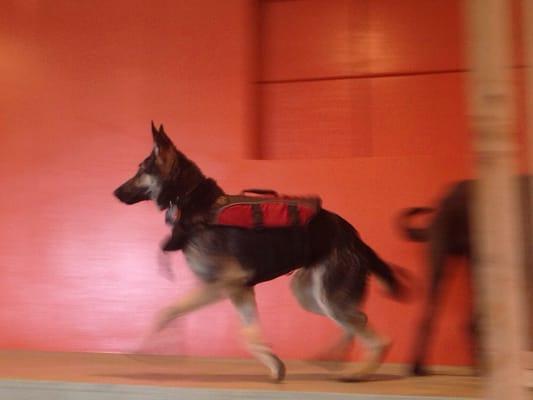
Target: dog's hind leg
{"type": "Point", "coordinates": [376, 349]}
{"type": "Point", "coordinates": [355, 324]}
{"type": "Point", "coordinates": [437, 262]}
{"type": "Point", "coordinates": [333, 296]}
{"type": "Point", "coordinates": [303, 288]}
{"type": "Point", "coordinates": [243, 298]}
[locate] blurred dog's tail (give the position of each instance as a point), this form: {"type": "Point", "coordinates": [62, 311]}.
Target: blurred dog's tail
{"type": "Point", "coordinates": [415, 234]}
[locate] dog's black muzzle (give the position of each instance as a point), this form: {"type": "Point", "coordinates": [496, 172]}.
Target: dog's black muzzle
{"type": "Point", "coordinates": [129, 194]}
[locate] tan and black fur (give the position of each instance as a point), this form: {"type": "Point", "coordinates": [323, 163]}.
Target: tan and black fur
{"type": "Point", "coordinates": [331, 260]}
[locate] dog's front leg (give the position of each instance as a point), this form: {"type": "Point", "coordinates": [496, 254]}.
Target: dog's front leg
{"type": "Point", "coordinates": [243, 298]}
{"type": "Point", "coordinates": [195, 299]}
{"type": "Point", "coordinates": [165, 265]}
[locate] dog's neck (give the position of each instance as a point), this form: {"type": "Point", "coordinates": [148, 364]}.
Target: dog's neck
{"type": "Point", "coordinates": [188, 188]}
{"type": "Point", "coordinates": [201, 198]}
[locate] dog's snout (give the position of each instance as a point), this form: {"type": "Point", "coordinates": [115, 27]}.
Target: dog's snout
{"type": "Point", "coordinates": [128, 193]}
{"type": "Point", "coordinates": [116, 193]}
{"type": "Point", "coordinates": [121, 194]}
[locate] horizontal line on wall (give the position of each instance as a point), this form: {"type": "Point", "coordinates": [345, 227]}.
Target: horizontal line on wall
{"type": "Point", "coordinates": [370, 76]}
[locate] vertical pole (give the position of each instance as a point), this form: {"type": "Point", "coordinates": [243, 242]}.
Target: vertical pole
{"type": "Point", "coordinates": [527, 34]}
{"type": "Point", "coordinates": [495, 230]}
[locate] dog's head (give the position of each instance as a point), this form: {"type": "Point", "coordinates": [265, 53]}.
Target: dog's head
{"type": "Point", "coordinates": [148, 183]}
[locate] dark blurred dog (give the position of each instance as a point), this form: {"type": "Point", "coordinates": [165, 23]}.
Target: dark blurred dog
{"type": "Point", "coordinates": [448, 234]}
{"type": "Point", "coordinates": [332, 260]}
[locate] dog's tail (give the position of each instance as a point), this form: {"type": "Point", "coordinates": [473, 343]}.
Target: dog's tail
{"type": "Point", "coordinates": [393, 277]}
{"type": "Point", "coordinates": [415, 234]}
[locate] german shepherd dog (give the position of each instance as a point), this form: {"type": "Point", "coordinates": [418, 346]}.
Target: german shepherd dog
{"type": "Point", "coordinates": [332, 261]}
{"type": "Point", "coordinates": [448, 234]}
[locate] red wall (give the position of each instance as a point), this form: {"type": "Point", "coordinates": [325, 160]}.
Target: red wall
{"type": "Point", "coordinates": [81, 81]}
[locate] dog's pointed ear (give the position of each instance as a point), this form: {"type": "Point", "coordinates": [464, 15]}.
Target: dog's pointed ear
{"type": "Point", "coordinates": [161, 140]}
{"type": "Point", "coordinates": [164, 149]}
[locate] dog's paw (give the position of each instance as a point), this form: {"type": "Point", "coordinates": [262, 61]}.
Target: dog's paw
{"type": "Point", "coordinates": [374, 357]}
{"type": "Point", "coordinates": [418, 369]}
{"type": "Point", "coordinates": [277, 373]}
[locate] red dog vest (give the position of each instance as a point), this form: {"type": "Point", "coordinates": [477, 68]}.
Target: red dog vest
{"type": "Point", "coordinates": [265, 209]}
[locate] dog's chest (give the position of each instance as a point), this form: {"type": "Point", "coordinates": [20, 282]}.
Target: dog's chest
{"type": "Point", "coordinates": [201, 265]}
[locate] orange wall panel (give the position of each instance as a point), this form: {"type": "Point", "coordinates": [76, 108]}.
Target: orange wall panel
{"type": "Point", "coordinates": [313, 38]}
{"type": "Point", "coordinates": [318, 39]}
{"type": "Point", "coordinates": [316, 119]}
{"type": "Point", "coordinates": [415, 35]}
{"type": "Point", "coordinates": [419, 115]}
{"type": "Point", "coordinates": [132, 63]}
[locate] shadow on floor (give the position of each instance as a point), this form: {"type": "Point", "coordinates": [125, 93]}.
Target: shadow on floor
{"type": "Point", "coordinates": [225, 378]}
